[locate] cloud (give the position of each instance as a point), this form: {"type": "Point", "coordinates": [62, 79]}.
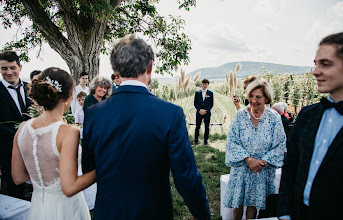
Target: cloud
{"type": "Point", "coordinates": [270, 27]}
{"type": "Point", "coordinates": [267, 8]}
{"type": "Point", "coordinates": [338, 9]}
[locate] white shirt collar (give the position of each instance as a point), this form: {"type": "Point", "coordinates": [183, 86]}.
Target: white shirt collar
{"type": "Point", "coordinates": [204, 90]}
{"type": "Point", "coordinates": [6, 84]}
{"type": "Point", "coordinates": [132, 82]}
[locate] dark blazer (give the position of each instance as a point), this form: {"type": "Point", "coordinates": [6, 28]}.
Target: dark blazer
{"type": "Point", "coordinates": [10, 113]}
{"type": "Point", "coordinates": [133, 149]}
{"type": "Point", "coordinates": [327, 191]}
{"type": "Point", "coordinates": [9, 117]}
{"type": "Point", "coordinates": [207, 104]}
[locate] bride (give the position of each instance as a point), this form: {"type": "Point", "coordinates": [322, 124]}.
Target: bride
{"type": "Point", "coordinates": [45, 151]}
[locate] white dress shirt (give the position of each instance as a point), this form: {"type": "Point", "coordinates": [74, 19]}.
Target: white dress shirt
{"type": "Point", "coordinates": [204, 94]}
{"type": "Point", "coordinates": [14, 94]}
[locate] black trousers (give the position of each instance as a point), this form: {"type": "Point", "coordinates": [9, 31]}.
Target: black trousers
{"type": "Point", "coordinates": [199, 118]}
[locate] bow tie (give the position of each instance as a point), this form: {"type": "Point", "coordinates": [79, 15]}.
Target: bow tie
{"type": "Point", "coordinates": [327, 104]}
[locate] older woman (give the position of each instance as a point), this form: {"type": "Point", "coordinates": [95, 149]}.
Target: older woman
{"type": "Point", "coordinates": [100, 89]}
{"type": "Point", "coordinates": [255, 148]}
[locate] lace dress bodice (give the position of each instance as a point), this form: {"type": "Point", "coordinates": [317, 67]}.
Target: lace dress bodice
{"type": "Point", "coordinates": [41, 157]}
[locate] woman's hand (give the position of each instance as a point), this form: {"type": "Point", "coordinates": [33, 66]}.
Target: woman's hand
{"type": "Point", "coordinates": [254, 165]}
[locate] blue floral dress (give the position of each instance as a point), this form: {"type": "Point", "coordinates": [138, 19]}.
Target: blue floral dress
{"type": "Point", "coordinates": [265, 142]}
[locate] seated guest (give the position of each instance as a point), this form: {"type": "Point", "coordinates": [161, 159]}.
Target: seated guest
{"type": "Point", "coordinates": [100, 89]}
{"type": "Point", "coordinates": [255, 148]}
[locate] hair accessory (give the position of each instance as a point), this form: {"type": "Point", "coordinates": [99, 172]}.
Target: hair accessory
{"type": "Point", "coordinates": [54, 83]}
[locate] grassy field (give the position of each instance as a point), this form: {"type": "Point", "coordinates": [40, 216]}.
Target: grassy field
{"type": "Point", "coordinates": [210, 163]}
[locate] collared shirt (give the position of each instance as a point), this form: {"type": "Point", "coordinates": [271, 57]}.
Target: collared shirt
{"type": "Point", "coordinates": [75, 104]}
{"type": "Point", "coordinates": [329, 126]}
{"type": "Point", "coordinates": [14, 94]}
{"type": "Point", "coordinates": [132, 82]}
{"type": "Point", "coordinates": [204, 94]}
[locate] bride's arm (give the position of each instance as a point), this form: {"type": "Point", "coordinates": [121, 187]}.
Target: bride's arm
{"type": "Point", "coordinates": [68, 139]}
{"type": "Point", "coordinates": [19, 172]}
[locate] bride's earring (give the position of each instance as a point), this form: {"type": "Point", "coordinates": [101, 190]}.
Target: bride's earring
{"type": "Point", "coordinates": [66, 103]}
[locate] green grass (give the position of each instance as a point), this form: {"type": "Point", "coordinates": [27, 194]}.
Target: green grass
{"type": "Point", "coordinates": [210, 163]}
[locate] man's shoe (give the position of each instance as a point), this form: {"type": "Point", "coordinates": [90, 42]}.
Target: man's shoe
{"type": "Point", "coordinates": [205, 143]}
{"type": "Point", "coordinates": [195, 143]}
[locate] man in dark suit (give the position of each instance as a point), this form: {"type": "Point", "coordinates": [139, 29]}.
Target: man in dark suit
{"type": "Point", "coordinates": [203, 102]}
{"type": "Point", "coordinates": [14, 105]}
{"type": "Point", "coordinates": [311, 183]}
{"type": "Point", "coordinates": [115, 82]}
{"type": "Point", "coordinates": [134, 147]}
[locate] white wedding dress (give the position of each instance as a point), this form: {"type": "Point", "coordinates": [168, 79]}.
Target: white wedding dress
{"type": "Point", "coordinates": [41, 157]}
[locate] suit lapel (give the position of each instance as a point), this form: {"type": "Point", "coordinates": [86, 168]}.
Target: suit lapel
{"type": "Point", "coordinates": [335, 145]}
{"type": "Point", "coordinates": [9, 99]}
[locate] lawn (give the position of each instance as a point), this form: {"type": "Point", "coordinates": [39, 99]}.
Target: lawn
{"type": "Point", "coordinates": [210, 163]}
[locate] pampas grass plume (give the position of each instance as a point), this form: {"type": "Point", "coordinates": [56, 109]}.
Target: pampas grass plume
{"type": "Point", "coordinates": [196, 76]}
{"type": "Point", "coordinates": [182, 76]}
{"type": "Point", "coordinates": [238, 67]}
{"type": "Point", "coordinates": [231, 82]}
{"type": "Point", "coordinates": [227, 79]}
{"type": "Point", "coordinates": [187, 81]}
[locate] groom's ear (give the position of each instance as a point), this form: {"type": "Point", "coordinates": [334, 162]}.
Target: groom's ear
{"type": "Point", "coordinates": [149, 70]}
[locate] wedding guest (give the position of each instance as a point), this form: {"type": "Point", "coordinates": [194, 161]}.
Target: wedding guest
{"type": "Point", "coordinates": [203, 102]}
{"type": "Point", "coordinates": [45, 151]}
{"type": "Point", "coordinates": [144, 139]}
{"type": "Point", "coordinates": [115, 81]}
{"type": "Point", "coordinates": [255, 148]}
{"type": "Point", "coordinates": [13, 110]}
{"type": "Point", "coordinates": [236, 99]}
{"type": "Point", "coordinates": [34, 74]}
{"type": "Point", "coordinates": [100, 89]}
{"type": "Point", "coordinates": [79, 114]}
{"type": "Point", "coordinates": [279, 108]}
{"type": "Point", "coordinates": [311, 182]}
{"type": "Point", "coordinates": [82, 87]}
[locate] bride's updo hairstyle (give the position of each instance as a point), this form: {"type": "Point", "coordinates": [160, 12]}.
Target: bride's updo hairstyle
{"type": "Point", "coordinates": [52, 85]}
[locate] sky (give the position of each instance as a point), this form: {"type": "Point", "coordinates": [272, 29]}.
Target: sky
{"type": "Point", "coordinates": [276, 31]}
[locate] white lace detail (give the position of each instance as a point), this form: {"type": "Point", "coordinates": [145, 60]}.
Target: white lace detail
{"type": "Point", "coordinates": [20, 135]}
{"type": "Point", "coordinates": [53, 139]}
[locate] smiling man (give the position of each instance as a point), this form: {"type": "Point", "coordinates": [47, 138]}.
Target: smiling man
{"type": "Point", "coordinates": [311, 184]}
{"type": "Point", "coordinates": [14, 105]}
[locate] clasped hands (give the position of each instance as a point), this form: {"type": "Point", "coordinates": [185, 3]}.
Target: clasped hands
{"type": "Point", "coordinates": [255, 165]}
{"type": "Point", "coordinates": [203, 111]}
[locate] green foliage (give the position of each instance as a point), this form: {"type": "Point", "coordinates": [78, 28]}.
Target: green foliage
{"type": "Point", "coordinates": [154, 85]}
{"type": "Point", "coordinates": [68, 117]}
{"type": "Point", "coordinates": [138, 16]}
{"type": "Point", "coordinates": [198, 83]}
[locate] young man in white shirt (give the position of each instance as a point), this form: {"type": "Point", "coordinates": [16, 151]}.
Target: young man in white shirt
{"type": "Point", "coordinates": [82, 87]}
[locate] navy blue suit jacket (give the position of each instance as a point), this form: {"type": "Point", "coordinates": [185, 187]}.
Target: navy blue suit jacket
{"type": "Point", "coordinates": [133, 148]}
{"type": "Point", "coordinates": [207, 104]}
{"type": "Point", "coordinates": [9, 117]}
{"type": "Point", "coordinates": [327, 191]}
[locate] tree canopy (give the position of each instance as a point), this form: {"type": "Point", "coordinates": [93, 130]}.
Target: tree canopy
{"type": "Point", "coordinates": [79, 30]}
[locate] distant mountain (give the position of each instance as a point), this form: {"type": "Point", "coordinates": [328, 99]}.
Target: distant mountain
{"type": "Point", "coordinates": [248, 68]}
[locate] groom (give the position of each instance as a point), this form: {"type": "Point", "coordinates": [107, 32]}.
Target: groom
{"type": "Point", "coordinates": [133, 147]}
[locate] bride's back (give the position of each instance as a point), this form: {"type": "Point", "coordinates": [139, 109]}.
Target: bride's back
{"type": "Point", "coordinates": [39, 151]}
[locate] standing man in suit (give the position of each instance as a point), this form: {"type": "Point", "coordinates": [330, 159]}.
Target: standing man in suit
{"type": "Point", "coordinates": [14, 106]}
{"type": "Point", "coordinates": [311, 183]}
{"type": "Point", "coordinates": [133, 148]}
{"type": "Point", "coordinates": [203, 102]}
{"type": "Point", "coordinates": [115, 82]}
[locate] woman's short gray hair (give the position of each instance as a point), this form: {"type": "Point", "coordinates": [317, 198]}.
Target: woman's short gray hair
{"type": "Point", "coordinates": [101, 81]}
{"type": "Point", "coordinates": [262, 84]}
{"type": "Point", "coordinates": [279, 107]}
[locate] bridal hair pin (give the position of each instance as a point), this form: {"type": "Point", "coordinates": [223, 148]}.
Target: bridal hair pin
{"type": "Point", "coordinates": [54, 83]}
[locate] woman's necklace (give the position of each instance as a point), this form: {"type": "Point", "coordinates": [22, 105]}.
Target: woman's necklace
{"type": "Point", "coordinates": [252, 114]}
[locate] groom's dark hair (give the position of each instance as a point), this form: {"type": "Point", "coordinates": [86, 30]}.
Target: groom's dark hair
{"type": "Point", "coordinates": [131, 57]}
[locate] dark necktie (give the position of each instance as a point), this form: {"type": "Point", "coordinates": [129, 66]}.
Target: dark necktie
{"type": "Point", "coordinates": [327, 104]}
{"type": "Point", "coordinates": [20, 99]}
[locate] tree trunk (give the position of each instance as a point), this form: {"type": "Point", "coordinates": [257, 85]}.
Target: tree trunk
{"type": "Point", "coordinates": [85, 34]}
